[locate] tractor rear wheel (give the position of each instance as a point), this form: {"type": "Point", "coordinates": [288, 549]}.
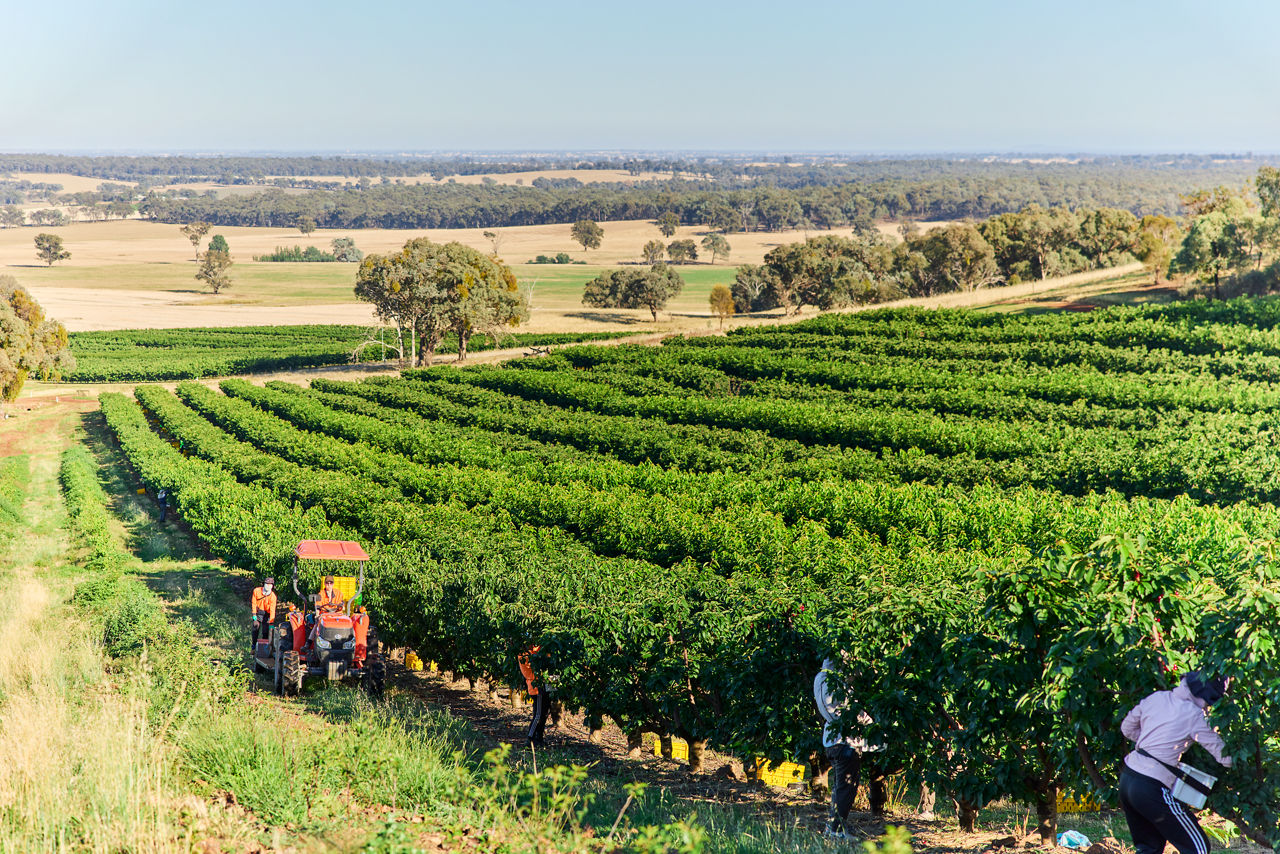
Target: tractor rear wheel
{"type": "Point", "coordinates": [292, 674]}
{"type": "Point", "coordinates": [375, 676]}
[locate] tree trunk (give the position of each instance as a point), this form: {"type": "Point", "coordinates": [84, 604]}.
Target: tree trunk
{"type": "Point", "coordinates": [462, 345]}
{"type": "Point", "coordinates": [556, 712]}
{"type": "Point", "coordinates": [517, 701]}
{"type": "Point", "coordinates": [1047, 815]}
{"type": "Point", "coordinates": [968, 815]}
{"type": "Point", "coordinates": [426, 350]}
{"type": "Point", "coordinates": [664, 744]}
{"type": "Point", "coordinates": [696, 750]}
{"type": "Point", "coordinates": [635, 744]}
{"type": "Point", "coordinates": [595, 734]}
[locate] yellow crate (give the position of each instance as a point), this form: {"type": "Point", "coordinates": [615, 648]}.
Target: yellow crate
{"type": "Point", "coordinates": [412, 662]}
{"type": "Point", "coordinates": [1067, 803]}
{"type": "Point", "coordinates": [679, 748]}
{"type": "Point", "coordinates": [781, 776]}
{"type": "Point", "coordinates": [346, 585]}
{"type": "Point", "coordinates": [142, 490]}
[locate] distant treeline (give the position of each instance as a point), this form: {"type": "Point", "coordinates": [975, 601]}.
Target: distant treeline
{"type": "Point", "coordinates": [253, 169]}
{"type": "Point", "coordinates": [700, 203]}
{"type": "Point", "coordinates": [725, 193]}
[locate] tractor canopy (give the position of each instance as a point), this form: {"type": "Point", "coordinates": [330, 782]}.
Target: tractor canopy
{"type": "Point", "coordinates": [323, 551]}
{"type": "Point", "coordinates": [329, 550]}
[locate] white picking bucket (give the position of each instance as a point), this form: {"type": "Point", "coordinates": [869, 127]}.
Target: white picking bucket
{"type": "Point", "coordinates": [1189, 796]}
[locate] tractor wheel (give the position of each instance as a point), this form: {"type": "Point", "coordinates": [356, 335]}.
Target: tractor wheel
{"type": "Point", "coordinates": [375, 676]}
{"type": "Point", "coordinates": [294, 670]}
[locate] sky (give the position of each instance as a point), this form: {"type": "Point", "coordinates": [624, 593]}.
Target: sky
{"type": "Point", "coordinates": [278, 75]}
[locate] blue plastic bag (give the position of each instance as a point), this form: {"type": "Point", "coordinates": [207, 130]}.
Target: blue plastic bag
{"type": "Point", "coordinates": [1073, 839]}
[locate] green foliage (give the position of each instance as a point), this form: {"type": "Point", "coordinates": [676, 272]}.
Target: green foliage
{"type": "Point", "coordinates": [14, 476]}
{"type": "Point", "coordinates": [29, 342]}
{"type": "Point", "coordinates": [429, 289]}
{"type": "Point", "coordinates": [344, 249]}
{"type": "Point", "coordinates": [587, 232]}
{"type": "Point", "coordinates": [214, 270]}
{"type": "Point", "coordinates": [682, 251]}
{"type": "Point", "coordinates": [170, 662]}
{"type": "Point", "coordinates": [151, 355]}
{"type": "Point", "coordinates": [49, 249]}
{"type": "Point", "coordinates": [753, 289]}
{"type": "Point", "coordinates": [634, 289]}
{"type": "Point", "coordinates": [717, 245]}
{"type": "Point", "coordinates": [218, 243]}
{"type": "Point", "coordinates": [559, 258]}
{"type": "Point", "coordinates": [654, 251]}
{"type": "Point", "coordinates": [1036, 520]}
{"type": "Point", "coordinates": [667, 224]}
{"type": "Point", "coordinates": [297, 253]}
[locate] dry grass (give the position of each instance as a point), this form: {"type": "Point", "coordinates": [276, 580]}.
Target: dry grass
{"type": "Point", "coordinates": [82, 768]}
{"type": "Point", "coordinates": [130, 273]}
{"type": "Point", "coordinates": [85, 769]}
{"type": "Point", "coordinates": [97, 244]}
{"type": "Point", "coordinates": [70, 183]}
{"type": "Point", "coordinates": [82, 772]}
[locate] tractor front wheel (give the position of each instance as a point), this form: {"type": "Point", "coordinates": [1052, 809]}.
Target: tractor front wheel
{"type": "Point", "coordinates": [293, 672]}
{"type": "Point", "coordinates": [375, 676]}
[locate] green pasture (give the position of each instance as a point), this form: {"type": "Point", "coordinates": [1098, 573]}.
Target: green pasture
{"type": "Point", "coordinates": [559, 286]}
{"type": "Point", "coordinates": [287, 283]}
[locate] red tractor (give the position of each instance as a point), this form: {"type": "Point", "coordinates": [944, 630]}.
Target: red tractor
{"type": "Point", "coordinates": [330, 642]}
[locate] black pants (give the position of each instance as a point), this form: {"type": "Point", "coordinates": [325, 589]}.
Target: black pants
{"type": "Point", "coordinates": [261, 626]}
{"type": "Point", "coordinates": [538, 724]}
{"type": "Point", "coordinates": [1156, 817]}
{"type": "Point", "coordinates": [846, 767]}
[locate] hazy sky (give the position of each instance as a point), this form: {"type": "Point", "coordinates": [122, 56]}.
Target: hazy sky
{"type": "Point", "coordinates": [544, 74]}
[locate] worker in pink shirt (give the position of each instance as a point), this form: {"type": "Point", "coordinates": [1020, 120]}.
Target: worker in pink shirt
{"type": "Point", "coordinates": [1162, 727]}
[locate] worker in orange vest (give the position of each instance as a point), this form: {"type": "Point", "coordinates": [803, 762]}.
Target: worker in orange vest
{"type": "Point", "coordinates": [329, 598]}
{"type": "Point", "coordinates": [541, 698]}
{"type": "Point", "coordinates": [262, 605]}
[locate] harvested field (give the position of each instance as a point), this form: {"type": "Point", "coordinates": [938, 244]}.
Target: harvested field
{"type": "Point", "coordinates": [94, 244]}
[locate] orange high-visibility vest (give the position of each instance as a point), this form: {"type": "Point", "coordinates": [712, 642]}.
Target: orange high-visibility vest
{"type": "Point", "coordinates": [527, 669]}
{"type": "Point", "coordinates": [323, 599]}
{"type": "Point", "coordinates": [263, 602]}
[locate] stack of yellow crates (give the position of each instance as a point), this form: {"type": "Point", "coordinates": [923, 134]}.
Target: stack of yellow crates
{"type": "Point", "coordinates": [1086, 803]}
